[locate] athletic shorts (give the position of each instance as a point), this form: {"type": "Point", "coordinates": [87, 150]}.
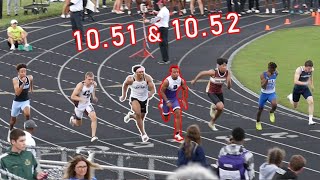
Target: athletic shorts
{"type": "Point", "coordinates": [215, 98]}
{"type": "Point", "coordinates": [83, 108]}
{"type": "Point", "coordinates": [266, 97]}
{"type": "Point", "coordinates": [298, 91]}
{"type": "Point", "coordinates": [18, 107]}
{"type": "Point", "coordinates": [143, 104]}
{"type": "Point", "coordinates": [16, 44]}
{"type": "Point", "coordinates": [175, 105]}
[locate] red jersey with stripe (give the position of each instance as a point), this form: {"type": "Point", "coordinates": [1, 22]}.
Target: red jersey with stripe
{"type": "Point", "coordinates": [216, 82]}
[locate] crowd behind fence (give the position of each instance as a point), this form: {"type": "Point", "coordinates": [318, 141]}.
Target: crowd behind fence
{"type": "Point", "coordinates": [55, 169]}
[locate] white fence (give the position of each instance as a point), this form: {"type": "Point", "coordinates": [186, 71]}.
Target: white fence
{"type": "Point", "coordinates": [55, 168]}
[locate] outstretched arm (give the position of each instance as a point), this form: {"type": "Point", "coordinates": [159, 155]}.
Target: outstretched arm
{"type": "Point", "coordinates": [201, 74]}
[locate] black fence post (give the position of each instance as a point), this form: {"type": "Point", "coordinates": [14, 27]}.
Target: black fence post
{"type": "Point", "coordinates": [1, 2]}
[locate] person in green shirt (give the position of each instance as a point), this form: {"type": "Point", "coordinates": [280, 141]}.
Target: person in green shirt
{"type": "Point", "coordinates": [18, 161]}
{"type": "Point", "coordinates": [16, 35]}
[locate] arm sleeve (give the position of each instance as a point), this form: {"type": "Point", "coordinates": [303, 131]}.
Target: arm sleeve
{"type": "Point", "coordinates": [75, 1]}
{"type": "Point", "coordinates": [250, 165]}
{"type": "Point", "coordinates": [201, 157]}
{"type": "Point", "coordinates": [35, 167]}
{"type": "Point", "coordinates": [155, 19]}
{"type": "Point", "coordinates": [2, 167]}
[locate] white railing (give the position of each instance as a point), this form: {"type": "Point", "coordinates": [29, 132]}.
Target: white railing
{"type": "Point", "coordinates": [51, 166]}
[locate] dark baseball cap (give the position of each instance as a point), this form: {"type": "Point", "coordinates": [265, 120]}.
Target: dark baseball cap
{"type": "Point", "coordinates": [30, 124]}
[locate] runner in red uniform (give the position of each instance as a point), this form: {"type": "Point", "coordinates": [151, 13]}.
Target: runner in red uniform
{"type": "Point", "coordinates": [218, 77]}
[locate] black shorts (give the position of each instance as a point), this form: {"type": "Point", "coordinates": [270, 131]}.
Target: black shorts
{"type": "Point", "coordinates": [16, 44]}
{"type": "Point", "coordinates": [298, 91]}
{"type": "Point", "coordinates": [143, 104]}
{"type": "Point", "coordinates": [215, 98]}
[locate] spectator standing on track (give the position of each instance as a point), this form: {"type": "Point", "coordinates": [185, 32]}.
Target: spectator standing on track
{"type": "Point", "coordinates": [162, 22]}
{"type": "Point", "coordinates": [274, 161]}
{"type": "Point", "coordinates": [18, 161]}
{"type": "Point", "coordinates": [76, 13]}
{"type": "Point", "coordinates": [16, 7]}
{"type": "Point", "coordinates": [234, 161]}
{"type": "Point", "coordinates": [268, 92]}
{"type": "Point", "coordinates": [295, 167]}
{"type": "Point", "coordinates": [218, 77]}
{"type": "Point", "coordinates": [142, 90]}
{"type": "Point", "coordinates": [82, 96]}
{"type": "Point", "coordinates": [302, 79]}
{"type": "Point", "coordinates": [65, 9]}
{"type": "Point", "coordinates": [22, 84]}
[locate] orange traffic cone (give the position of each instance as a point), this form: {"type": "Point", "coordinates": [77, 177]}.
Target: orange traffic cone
{"type": "Point", "coordinates": [313, 14]}
{"type": "Point", "coordinates": [287, 21]}
{"type": "Point", "coordinates": [317, 19]}
{"type": "Point", "coordinates": [267, 28]}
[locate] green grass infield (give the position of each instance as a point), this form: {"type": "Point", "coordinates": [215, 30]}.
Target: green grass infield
{"type": "Point", "coordinates": [289, 49]}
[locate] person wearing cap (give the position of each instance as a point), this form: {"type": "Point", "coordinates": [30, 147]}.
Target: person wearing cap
{"type": "Point", "coordinates": [29, 127]}
{"type": "Point", "coordinates": [162, 22]}
{"type": "Point", "coordinates": [140, 83]}
{"type": "Point", "coordinates": [16, 35]}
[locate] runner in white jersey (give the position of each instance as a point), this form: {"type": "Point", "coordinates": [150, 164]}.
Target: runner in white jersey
{"type": "Point", "coordinates": [82, 95]}
{"type": "Point", "coordinates": [22, 84]}
{"type": "Point", "coordinates": [140, 83]}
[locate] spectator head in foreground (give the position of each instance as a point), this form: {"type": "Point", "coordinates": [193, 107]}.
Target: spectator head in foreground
{"type": "Point", "coordinates": [192, 171]}
{"type": "Point", "coordinates": [80, 168]}
{"type": "Point", "coordinates": [237, 136]}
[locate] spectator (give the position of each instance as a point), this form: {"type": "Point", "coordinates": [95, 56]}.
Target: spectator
{"type": "Point", "coordinates": [16, 35]}
{"type": "Point", "coordinates": [18, 161]}
{"type": "Point", "coordinates": [191, 150]}
{"type": "Point", "coordinates": [80, 168]}
{"type": "Point", "coordinates": [295, 167]}
{"type": "Point", "coordinates": [16, 7]}
{"type": "Point", "coordinates": [29, 126]}
{"type": "Point", "coordinates": [232, 156]}
{"type": "Point", "coordinates": [65, 9]}
{"type": "Point", "coordinates": [193, 171]}
{"type": "Point", "coordinates": [274, 160]}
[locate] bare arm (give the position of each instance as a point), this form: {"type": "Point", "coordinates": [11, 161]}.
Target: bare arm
{"type": "Point", "coordinates": [17, 89]}
{"type": "Point", "coordinates": [94, 90]}
{"type": "Point", "coordinates": [296, 77]}
{"type": "Point", "coordinates": [229, 80]}
{"type": "Point", "coordinates": [125, 86]}
{"type": "Point", "coordinates": [31, 83]}
{"type": "Point", "coordinates": [201, 74]}
{"type": "Point", "coordinates": [10, 35]}
{"type": "Point", "coordinates": [151, 86]}
{"type": "Point", "coordinates": [163, 88]}
{"type": "Point", "coordinates": [264, 82]}
{"type": "Point", "coordinates": [184, 90]}
{"type": "Point", "coordinates": [76, 92]}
